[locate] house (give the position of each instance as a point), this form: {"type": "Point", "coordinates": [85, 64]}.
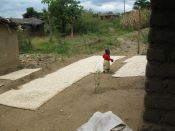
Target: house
{"type": "Point", "coordinates": [108, 16]}
{"type": "Point", "coordinates": [34, 26]}
{"type": "Point", "coordinates": [9, 52]}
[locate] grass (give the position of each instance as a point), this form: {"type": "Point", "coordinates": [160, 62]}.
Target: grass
{"type": "Point", "coordinates": [134, 35]}
{"type": "Point", "coordinates": [85, 44]}
{"type": "Point", "coordinates": [43, 45]}
{"type": "Point", "coordinates": [81, 44]}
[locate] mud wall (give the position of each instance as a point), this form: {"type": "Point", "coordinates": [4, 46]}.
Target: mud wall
{"type": "Point", "coordinates": [159, 102]}
{"type": "Point", "coordinates": [9, 51]}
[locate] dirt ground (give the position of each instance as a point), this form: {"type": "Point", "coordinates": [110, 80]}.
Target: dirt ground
{"type": "Point", "coordinates": [74, 106]}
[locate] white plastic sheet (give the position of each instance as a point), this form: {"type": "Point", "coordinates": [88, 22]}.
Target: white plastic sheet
{"type": "Point", "coordinates": [104, 122]}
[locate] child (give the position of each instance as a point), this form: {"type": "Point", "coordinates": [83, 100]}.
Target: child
{"type": "Point", "coordinates": [107, 59]}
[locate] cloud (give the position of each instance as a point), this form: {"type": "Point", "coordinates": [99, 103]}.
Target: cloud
{"type": "Point", "coordinates": [15, 8]}
{"type": "Point", "coordinates": [107, 5]}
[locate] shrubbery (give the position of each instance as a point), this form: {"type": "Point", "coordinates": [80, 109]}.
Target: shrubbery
{"type": "Point", "coordinates": [24, 41]}
{"type": "Point", "coordinates": [88, 23]}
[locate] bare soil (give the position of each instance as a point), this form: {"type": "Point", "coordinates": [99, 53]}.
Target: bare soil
{"type": "Point", "coordinates": [74, 106]}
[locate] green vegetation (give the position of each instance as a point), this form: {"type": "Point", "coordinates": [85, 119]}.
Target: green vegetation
{"type": "Point", "coordinates": [64, 13]}
{"type": "Point", "coordinates": [142, 4]}
{"type": "Point", "coordinates": [66, 18]}
{"type": "Point", "coordinates": [24, 41]}
{"type": "Point", "coordinates": [133, 36]}
{"type": "Point", "coordinates": [31, 12]}
{"type": "Point", "coordinates": [103, 35]}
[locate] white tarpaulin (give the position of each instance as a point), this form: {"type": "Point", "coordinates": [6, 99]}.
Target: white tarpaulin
{"type": "Point", "coordinates": [134, 66]}
{"type": "Point", "coordinates": [19, 74]}
{"type": "Point", "coordinates": [35, 93]}
{"type": "Point", "coordinates": [104, 122]}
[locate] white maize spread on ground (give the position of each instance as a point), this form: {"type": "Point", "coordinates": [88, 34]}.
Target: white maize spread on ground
{"type": "Point", "coordinates": [37, 92]}
{"type": "Point", "coordinates": [134, 66]}
{"type": "Point", "coordinates": [19, 74]}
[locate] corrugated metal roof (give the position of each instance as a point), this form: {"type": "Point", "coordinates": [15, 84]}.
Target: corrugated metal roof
{"type": "Point", "coordinates": [27, 21]}
{"type": "Point", "coordinates": [7, 21]}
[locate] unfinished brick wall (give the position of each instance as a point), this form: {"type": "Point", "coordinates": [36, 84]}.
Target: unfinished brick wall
{"type": "Point", "coordinates": [159, 102]}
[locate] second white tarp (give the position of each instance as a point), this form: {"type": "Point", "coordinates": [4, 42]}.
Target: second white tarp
{"type": "Point", "coordinates": [19, 74]}
{"type": "Point", "coordinates": [134, 66]}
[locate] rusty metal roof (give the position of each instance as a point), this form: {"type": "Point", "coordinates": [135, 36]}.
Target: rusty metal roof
{"type": "Point", "coordinates": [7, 21]}
{"type": "Point", "coordinates": [27, 21]}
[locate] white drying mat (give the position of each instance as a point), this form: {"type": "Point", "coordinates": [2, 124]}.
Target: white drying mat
{"type": "Point", "coordinates": [37, 92]}
{"type": "Point", "coordinates": [137, 58]}
{"type": "Point", "coordinates": [134, 66]}
{"type": "Point", "coordinates": [19, 74]}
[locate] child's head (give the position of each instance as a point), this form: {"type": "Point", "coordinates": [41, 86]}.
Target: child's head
{"type": "Point", "coordinates": [107, 51]}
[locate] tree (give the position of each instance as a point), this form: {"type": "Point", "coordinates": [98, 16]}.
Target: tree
{"type": "Point", "coordinates": [30, 12]}
{"type": "Point", "coordinates": [74, 11]}
{"type": "Point", "coordinates": [47, 18]}
{"type": "Point", "coordinates": [142, 4]}
{"type": "Point", "coordinates": [64, 12]}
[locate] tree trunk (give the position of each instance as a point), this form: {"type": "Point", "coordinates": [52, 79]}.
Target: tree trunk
{"type": "Point", "coordinates": [72, 30]}
{"type": "Point", "coordinates": [159, 101]}
{"type": "Point", "coordinates": [139, 33]}
{"type": "Point", "coordinates": [50, 28]}
{"type": "Point", "coordinates": [63, 27]}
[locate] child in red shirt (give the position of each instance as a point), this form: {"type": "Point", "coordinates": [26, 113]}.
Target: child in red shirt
{"type": "Point", "coordinates": [107, 59]}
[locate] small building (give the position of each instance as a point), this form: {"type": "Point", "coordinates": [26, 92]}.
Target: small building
{"type": "Point", "coordinates": [34, 26]}
{"type": "Point", "coordinates": [108, 16]}
{"type": "Point", "coordinates": [9, 51]}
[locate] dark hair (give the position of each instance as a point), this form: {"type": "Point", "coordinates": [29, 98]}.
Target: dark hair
{"type": "Point", "coordinates": [107, 51]}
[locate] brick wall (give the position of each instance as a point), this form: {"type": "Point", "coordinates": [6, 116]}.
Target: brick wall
{"type": "Point", "coordinates": [159, 101]}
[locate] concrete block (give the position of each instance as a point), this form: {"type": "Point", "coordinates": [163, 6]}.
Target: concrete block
{"type": "Point", "coordinates": [156, 54]}
{"type": "Point", "coordinates": [161, 127]}
{"type": "Point", "coordinates": [161, 18]}
{"type": "Point", "coordinates": [155, 85]}
{"type": "Point", "coordinates": [157, 70]}
{"type": "Point", "coordinates": [163, 102]}
{"type": "Point", "coordinates": [152, 116]}
{"type": "Point", "coordinates": [161, 36]}
{"type": "Point", "coordinates": [162, 4]}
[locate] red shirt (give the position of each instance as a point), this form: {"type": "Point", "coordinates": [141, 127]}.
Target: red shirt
{"type": "Point", "coordinates": [107, 57]}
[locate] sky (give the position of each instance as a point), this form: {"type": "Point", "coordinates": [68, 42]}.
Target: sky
{"type": "Point", "coordinates": [15, 8]}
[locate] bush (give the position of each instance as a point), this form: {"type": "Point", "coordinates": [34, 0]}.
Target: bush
{"type": "Point", "coordinates": [24, 41]}
{"type": "Point", "coordinates": [88, 23]}
{"type": "Point", "coordinates": [43, 45]}
{"type": "Point", "coordinates": [131, 19]}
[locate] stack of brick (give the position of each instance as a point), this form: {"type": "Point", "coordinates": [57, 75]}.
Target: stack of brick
{"type": "Point", "coordinates": [159, 102]}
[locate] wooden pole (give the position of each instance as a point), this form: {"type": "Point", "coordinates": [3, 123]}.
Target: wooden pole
{"type": "Point", "coordinates": [124, 6]}
{"type": "Point", "coordinates": [139, 33]}
{"type": "Point", "coordinates": [50, 26]}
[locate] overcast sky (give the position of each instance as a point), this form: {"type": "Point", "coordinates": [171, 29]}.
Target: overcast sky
{"type": "Point", "coordinates": [15, 8]}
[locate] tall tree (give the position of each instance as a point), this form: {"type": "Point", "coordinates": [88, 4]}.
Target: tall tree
{"type": "Point", "coordinates": [74, 11]}
{"type": "Point", "coordinates": [142, 4]}
{"type": "Point", "coordinates": [47, 17]}
{"type": "Point", "coordinates": [64, 12]}
{"type": "Point", "coordinates": [31, 12]}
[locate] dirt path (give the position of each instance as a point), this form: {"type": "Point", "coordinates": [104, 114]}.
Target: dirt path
{"type": "Point", "coordinates": [75, 105]}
